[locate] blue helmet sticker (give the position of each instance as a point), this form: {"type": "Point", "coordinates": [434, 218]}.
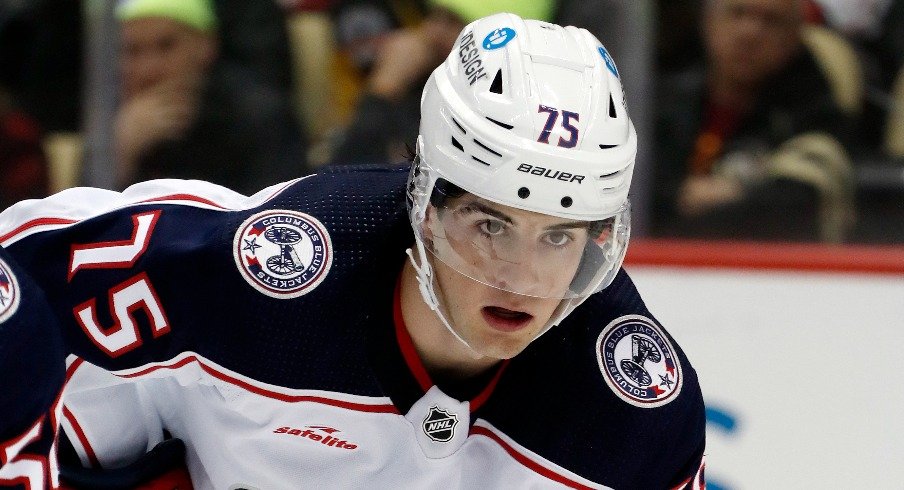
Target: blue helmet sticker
{"type": "Point", "coordinates": [610, 63]}
{"type": "Point", "coordinates": [498, 38]}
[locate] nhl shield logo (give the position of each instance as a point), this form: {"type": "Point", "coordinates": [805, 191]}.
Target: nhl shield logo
{"type": "Point", "coordinates": [638, 362]}
{"type": "Point", "coordinates": [282, 253]}
{"type": "Point", "coordinates": [439, 424]}
{"type": "Point", "coordinates": [9, 292]}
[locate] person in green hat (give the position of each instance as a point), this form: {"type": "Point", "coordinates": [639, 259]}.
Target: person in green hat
{"type": "Point", "coordinates": [190, 111]}
{"type": "Point", "coordinates": [167, 48]}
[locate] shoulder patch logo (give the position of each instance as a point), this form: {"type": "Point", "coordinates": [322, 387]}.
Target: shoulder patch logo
{"type": "Point", "coordinates": [283, 254]}
{"type": "Point", "coordinates": [10, 294]}
{"type": "Point", "coordinates": [638, 362]}
{"type": "Point", "coordinates": [439, 424]}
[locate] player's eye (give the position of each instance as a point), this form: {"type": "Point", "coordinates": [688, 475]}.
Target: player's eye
{"type": "Point", "coordinates": [557, 238]}
{"type": "Point", "coordinates": [491, 227]}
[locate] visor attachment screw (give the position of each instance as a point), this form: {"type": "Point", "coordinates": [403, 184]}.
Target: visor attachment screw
{"type": "Point", "coordinates": [566, 202]}
{"type": "Point", "coordinates": [523, 192]}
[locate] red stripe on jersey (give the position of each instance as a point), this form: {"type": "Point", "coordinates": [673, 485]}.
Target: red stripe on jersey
{"type": "Point", "coordinates": [83, 439]}
{"type": "Point", "coordinates": [30, 433]}
{"type": "Point", "coordinates": [413, 360]}
{"type": "Point", "coordinates": [526, 461]}
{"type": "Point", "coordinates": [77, 363]}
{"type": "Point", "coordinates": [37, 222]}
{"type": "Point", "coordinates": [360, 407]}
{"type": "Point", "coordinates": [183, 197]}
{"type": "Point", "coordinates": [171, 197]}
{"type": "Point", "coordinates": [485, 394]}
{"type": "Point", "coordinates": [405, 343]}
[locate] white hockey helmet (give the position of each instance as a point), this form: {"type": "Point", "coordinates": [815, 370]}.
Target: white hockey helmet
{"type": "Point", "coordinates": [529, 115]}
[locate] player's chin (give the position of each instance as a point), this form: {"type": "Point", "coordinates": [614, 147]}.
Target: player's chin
{"type": "Point", "coordinates": [501, 350]}
{"type": "Point", "coordinates": [505, 345]}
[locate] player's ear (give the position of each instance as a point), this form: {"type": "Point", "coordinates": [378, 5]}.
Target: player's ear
{"type": "Point", "coordinates": [430, 220]}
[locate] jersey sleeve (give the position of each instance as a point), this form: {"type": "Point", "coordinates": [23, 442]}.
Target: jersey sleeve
{"type": "Point", "coordinates": [128, 279]}
{"type": "Point", "coordinates": [32, 373]}
{"type": "Point", "coordinates": [121, 269]}
{"type": "Point", "coordinates": [109, 420]}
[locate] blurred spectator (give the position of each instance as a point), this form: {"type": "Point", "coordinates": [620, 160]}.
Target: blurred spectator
{"type": "Point", "coordinates": [23, 166]}
{"type": "Point", "coordinates": [388, 112]}
{"type": "Point", "coordinates": [748, 142]}
{"type": "Point", "coordinates": [678, 43]}
{"type": "Point", "coordinates": [876, 27]}
{"type": "Point", "coordinates": [187, 113]}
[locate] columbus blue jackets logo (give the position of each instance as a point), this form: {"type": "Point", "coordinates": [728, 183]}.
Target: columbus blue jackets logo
{"type": "Point", "coordinates": [9, 292]}
{"type": "Point", "coordinates": [282, 253]}
{"type": "Point", "coordinates": [439, 424]}
{"type": "Point", "coordinates": [638, 362]}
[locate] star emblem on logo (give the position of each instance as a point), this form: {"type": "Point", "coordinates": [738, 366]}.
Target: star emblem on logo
{"type": "Point", "coordinates": [251, 245]}
{"type": "Point", "coordinates": [666, 381]}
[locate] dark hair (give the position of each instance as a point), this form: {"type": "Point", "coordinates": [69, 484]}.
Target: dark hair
{"type": "Point", "coordinates": [444, 190]}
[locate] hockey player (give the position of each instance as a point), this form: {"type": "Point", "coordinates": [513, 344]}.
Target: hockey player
{"type": "Point", "coordinates": [460, 322]}
{"type": "Point", "coordinates": [31, 375]}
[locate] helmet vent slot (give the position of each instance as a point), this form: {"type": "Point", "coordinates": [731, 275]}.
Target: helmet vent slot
{"type": "Point", "coordinates": [456, 144]}
{"type": "Point", "coordinates": [479, 160]}
{"type": "Point", "coordinates": [496, 86]}
{"type": "Point", "coordinates": [606, 147]}
{"type": "Point", "coordinates": [459, 126]}
{"type": "Point", "coordinates": [487, 148]}
{"type": "Point", "coordinates": [612, 113]}
{"type": "Point", "coordinates": [504, 125]}
{"type": "Point", "coordinates": [611, 180]}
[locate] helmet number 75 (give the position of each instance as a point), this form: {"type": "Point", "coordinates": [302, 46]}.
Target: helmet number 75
{"type": "Point", "coordinates": [552, 114]}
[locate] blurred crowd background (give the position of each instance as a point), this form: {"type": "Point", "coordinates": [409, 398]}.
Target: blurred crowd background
{"type": "Point", "coordinates": [776, 120]}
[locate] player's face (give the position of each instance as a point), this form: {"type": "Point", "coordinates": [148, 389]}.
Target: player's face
{"type": "Point", "coordinates": [502, 271]}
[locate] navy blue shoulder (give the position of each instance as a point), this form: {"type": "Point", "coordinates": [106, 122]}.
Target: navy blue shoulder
{"type": "Point", "coordinates": [614, 383]}
{"type": "Point", "coordinates": [31, 349]}
{"type": "Point", "coordinates": [273, 282]}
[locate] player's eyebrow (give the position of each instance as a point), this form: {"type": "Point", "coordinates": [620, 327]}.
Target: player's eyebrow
{"type": "Point", "coordinates": [480, 207]}
{"type": "Point", "coordinates": [569, 225]}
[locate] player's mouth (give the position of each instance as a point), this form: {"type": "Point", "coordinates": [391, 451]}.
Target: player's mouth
{"type": "Point", "coordinates": [504, 319]}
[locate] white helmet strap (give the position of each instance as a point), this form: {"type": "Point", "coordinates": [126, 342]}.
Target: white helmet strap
{"type": "Point", "coordinates": [428, 293]}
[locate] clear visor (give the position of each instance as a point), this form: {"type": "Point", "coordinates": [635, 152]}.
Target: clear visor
{"type": "Point", "coordinates": [520, 251]}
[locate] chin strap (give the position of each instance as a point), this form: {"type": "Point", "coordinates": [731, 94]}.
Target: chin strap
{"type": "Point", "coordinates": [425, 284]}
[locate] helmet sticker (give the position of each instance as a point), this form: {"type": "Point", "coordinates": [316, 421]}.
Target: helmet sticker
{"type": "Point", "coordinates": [283, 254]}
{"type": "Point", "coordinates": [552, 114]}
{"type": "Point", "coordinates": [9, 292]}
{"type": "Point", "coordinates": [471, 64]}
{"type": "Point", "coordinates": [638, 362]}
{"type": "Point", "coordinates": [610, 63]}
{"type": "Point", "coordinates": [498, 38]}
